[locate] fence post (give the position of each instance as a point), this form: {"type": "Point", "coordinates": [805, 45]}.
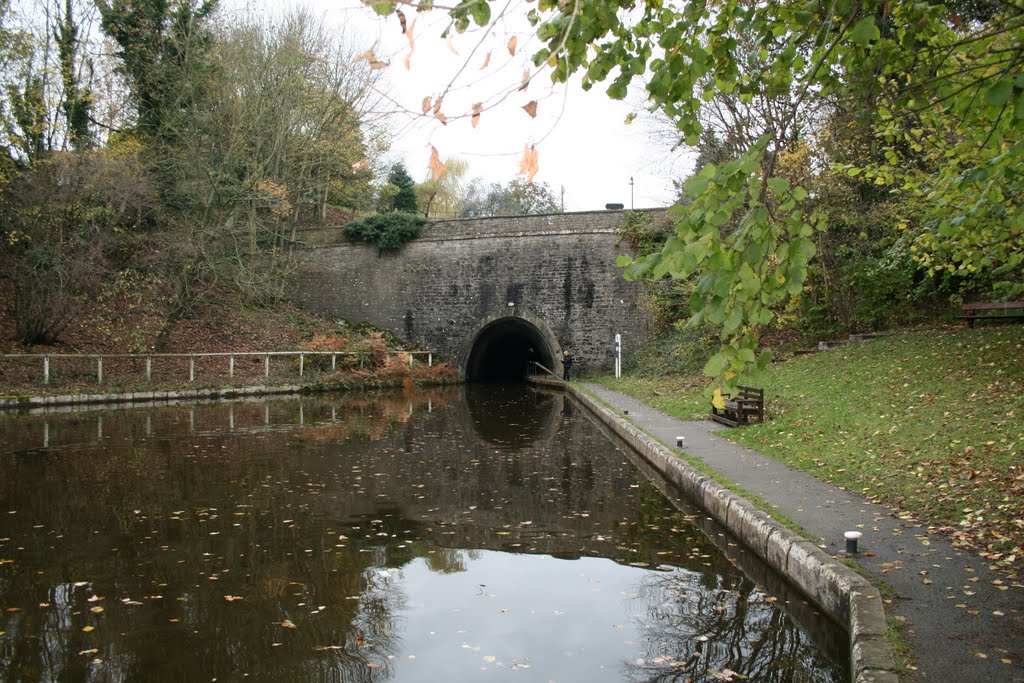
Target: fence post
{"type": "Point", "coordinates": [334, 362]}
{"type": "Point", "coordinates": [302, 362]}
{"type": "Point", "coordinates": [430, 360]}
{"type": "Point", "coordinates": [149, 368]}
{"type": "Point", "coordinates": [99, 369]}
{"type": "Point", "coordinates": [411, 356]}
{"type": "Point", "coordinates": [231, 366]}
{"type": "Point", "coordinates": [266, 365]}
{"type": "Point", "coordinates": [46, 369]}
{"type": "Point", "coordinates": [191, 368]}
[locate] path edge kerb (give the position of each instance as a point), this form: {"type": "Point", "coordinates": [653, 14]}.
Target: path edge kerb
{"type": "Point", "coordinates": [842, 593]}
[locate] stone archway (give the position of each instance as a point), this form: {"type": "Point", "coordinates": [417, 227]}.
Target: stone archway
{"type": "Point", "coordinates": [505, 348]}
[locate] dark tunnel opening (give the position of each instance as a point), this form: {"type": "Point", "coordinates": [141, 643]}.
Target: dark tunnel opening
{"type": "Point", "coordinates": [505, 351]}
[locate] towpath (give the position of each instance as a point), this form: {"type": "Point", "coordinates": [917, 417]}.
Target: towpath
{"type": "Point", "coordinates": [964, 623]}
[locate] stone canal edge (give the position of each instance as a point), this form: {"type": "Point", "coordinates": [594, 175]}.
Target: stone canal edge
{"type": "Point", "coordinates": [846, 596]}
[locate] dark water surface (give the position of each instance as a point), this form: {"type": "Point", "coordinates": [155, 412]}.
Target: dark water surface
{"type": "Point", "coordinates": [486, 533]}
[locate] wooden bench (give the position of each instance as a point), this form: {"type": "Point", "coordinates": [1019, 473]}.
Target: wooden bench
{"type": "Point", "coordinates": [743, 409]}
{"type": "Point", "coordinates": [1003, 310]}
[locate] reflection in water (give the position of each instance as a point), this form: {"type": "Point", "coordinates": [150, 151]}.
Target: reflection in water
{"type": "Point", "coordinates": [365, 538]}
{"type": "Point", "coordinates": [503, 415]}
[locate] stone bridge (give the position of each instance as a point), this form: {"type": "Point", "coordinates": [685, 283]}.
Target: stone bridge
{"type": "Point", "coordinates": [489, 295]}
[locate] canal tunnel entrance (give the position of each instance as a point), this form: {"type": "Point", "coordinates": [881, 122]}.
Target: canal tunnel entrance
{"type": "Point", "coordinates": [505, 351]}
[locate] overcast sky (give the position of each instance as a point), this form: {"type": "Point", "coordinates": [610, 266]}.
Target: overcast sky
{"type": "Point", "coordinates": [582, 141]}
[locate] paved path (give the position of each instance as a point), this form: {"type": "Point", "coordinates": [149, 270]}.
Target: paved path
{"type": "Point", "coordinates": [961, 625]}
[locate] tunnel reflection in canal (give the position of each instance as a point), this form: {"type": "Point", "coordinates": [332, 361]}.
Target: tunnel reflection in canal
{"type": "Point", "coordinates": [367, 538]}
{"type": "Point", "coordinates": [502, 417]}
{"type": "Point", "coordinates": [505, 350]}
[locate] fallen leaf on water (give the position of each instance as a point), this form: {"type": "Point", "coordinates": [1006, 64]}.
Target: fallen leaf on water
{"type": "Point", "coordinates": [96, 610]}
{"type": "Point", "coordinates": [287, 623]}
{"type": "Point", "coordinates": [87, 629]}
{"type": "Point", "coordinates": [490, 658]}
{"type": "Point", "coordinates": [232, 598]}
{"type": "Point", "coordinates": [89, 652]}
{"type": "Point", "coordinates": [322, 648]}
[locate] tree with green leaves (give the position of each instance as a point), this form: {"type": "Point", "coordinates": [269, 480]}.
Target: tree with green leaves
{"type": "Point", "coordinates": [162, 45]}
{"type": "Point", "coordinates": [77, 99]}
{"type": "Point", "coordinates": [445, 196]}
{"type": "Point", "coordinates": [404, 199]}
{"type": "Point", "coordinates": [516, 198]}
{"type": "Point", "coordinates": [939, 88]}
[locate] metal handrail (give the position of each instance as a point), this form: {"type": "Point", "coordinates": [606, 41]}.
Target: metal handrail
{"type": "Point", "coordinates": [550, 372]}
{"type": "Point", "coordinates": [206, 354]}
{"type": "Point", "coordinates": [148, 357]}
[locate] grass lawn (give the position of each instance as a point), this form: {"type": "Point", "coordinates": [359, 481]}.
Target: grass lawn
{"type": "Point", "coordinates": [929, 422]}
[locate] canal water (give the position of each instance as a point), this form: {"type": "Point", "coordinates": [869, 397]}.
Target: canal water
{"type": "Point", "coordinates": [480, 533]}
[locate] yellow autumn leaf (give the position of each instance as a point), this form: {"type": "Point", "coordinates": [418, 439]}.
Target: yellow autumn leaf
{"type": "Point", "coordinates": [512, 46]}
{"type": "Point", "coordinates": [526, 79]}
{"type": "Point", "coordinates": [87, 629]}
{"type": "Point", "coordinates": [437, 112]}
{"type": "Point", "coordinates": [718, 401]}
{"type": "Point", "coordinates": [437, 168]}
{"type": "Point", "coordinates": [528, 165]}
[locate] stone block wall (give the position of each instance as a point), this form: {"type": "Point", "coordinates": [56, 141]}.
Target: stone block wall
{"type": "Point", "coordinates": [439, 290]}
